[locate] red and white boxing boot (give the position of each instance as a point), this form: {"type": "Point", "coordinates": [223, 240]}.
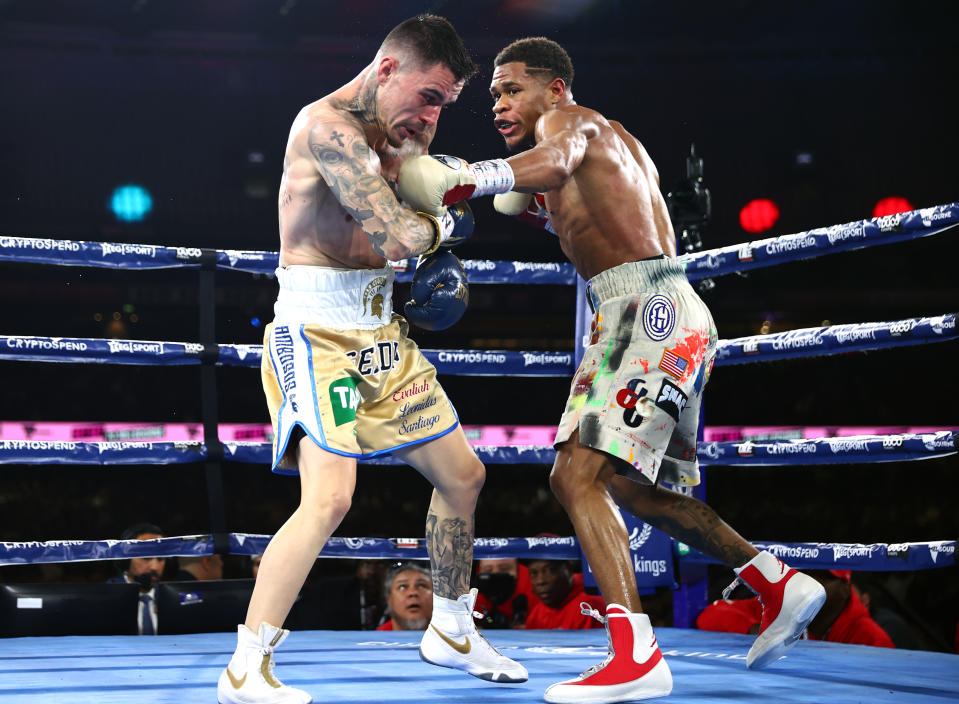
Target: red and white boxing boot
{"type": "Point", "coordinates": [790, 601]}
{"type": "Point", "coordinates": [634, 668]}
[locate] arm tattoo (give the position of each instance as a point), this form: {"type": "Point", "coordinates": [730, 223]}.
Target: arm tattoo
{"type": "Point", "coordinates": [449, 542]}
{"type": "Point", "coordinates": [343, 160]}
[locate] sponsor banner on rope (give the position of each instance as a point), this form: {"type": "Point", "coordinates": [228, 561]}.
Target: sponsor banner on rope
{"type": "Point", "coordinates": [830, 450]}
{"type": "Point", "coordinates": [501, 362]}
{"type": "Point", "coordinates": [485, 271]}
{"type": "Point", "coordinates": [249, 261]}
{"type": "Point", "coordinates": [835, 339]}
{"type": "Point", "coordinates": [96, 350]}
{"type": "Point", "coordinates": [803, 245]}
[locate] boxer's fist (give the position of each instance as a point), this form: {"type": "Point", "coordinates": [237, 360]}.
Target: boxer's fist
{"type": "Point", "coordinates": [528, 207]}
{"type": "Point", "coordinates": [512, 203]}
{"type": "Point", "coordinates": [457, 224]}
{"type": "Point", "coordinates": [439, 292]}
{"type": "Point", "coordinates": [430, 182]}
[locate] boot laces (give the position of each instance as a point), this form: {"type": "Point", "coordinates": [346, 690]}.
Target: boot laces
{"type": "Point", "coordinates": [587, 610]}
{"type": "Point", "coordinates": [735, 583]}
{"type": "Point", "coordinates": [267, 651]}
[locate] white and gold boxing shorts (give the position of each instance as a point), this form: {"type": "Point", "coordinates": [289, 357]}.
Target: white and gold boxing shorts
{"type": "Point", "coordinates": [637, 392]}
{"type": "Point", "coordinates": [338, 366]}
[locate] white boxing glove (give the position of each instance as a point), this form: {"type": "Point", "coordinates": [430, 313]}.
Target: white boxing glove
{"type": "Point", "coordinates": [431, 182]}
{"type": "Point", "coordinates": [528, 207]}
{"type": "Point", "coordinates": [512, 203]}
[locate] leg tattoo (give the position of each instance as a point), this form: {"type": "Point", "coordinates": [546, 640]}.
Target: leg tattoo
{"type": "Point", "coordinates": [696, 524]}
{"type": "Point", "coordinates": [449, 542]}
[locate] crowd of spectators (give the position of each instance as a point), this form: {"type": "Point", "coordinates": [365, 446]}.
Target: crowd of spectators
{"type": "Point", "coordinates": [371, 594]}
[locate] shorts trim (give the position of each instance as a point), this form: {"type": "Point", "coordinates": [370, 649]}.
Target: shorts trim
{"type": "Point", "coordinates": [355, 455]}
{"type": "Point", "coordinates": [316, 401]}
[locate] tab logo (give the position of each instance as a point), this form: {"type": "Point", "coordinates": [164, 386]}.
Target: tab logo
{"type": "Point", "coordinates": [671, 399]}
{"type": "Point", "coordinates": [345, 399]}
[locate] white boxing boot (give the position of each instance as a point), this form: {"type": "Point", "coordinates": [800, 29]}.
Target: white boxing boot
{"type": "Point", "coordinates": [451, 640]}
{"type": "Point", "coordinates": [633, 669]}
{"type": "Point", "coordinates": [249, 678]}
{"type": "Point", "coordinates": [790, 601]}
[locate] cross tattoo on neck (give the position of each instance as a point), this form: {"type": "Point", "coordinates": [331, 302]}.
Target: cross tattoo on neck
{"type": "Point", "coordinates": [336, 137]}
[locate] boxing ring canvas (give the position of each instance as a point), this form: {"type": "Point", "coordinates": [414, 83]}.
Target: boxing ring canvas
{"type": "Point", "coordinates": [370, 667]}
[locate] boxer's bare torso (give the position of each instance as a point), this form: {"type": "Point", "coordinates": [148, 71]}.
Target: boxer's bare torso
{"type": "Point", "coordinates": [601, 187]}
{"type": "Point", "coordinates": [336, 204]}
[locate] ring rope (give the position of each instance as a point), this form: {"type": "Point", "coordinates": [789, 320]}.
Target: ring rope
{"type": "Point", "coordinates": [856, 449]}
{"type": "Point", "coordinates": [708, 263]}
{"type": "Point", "coordinates": [792, 344]}
{"type": "Point", "coordinates": [882, 557]}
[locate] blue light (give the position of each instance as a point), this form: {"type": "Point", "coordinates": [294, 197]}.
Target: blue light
{"type": "Point", "coordinates": [255, 322]}
{"type": "Point", "coordinates": [131, 203]}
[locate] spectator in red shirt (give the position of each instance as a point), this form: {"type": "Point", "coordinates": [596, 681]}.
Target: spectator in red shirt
{"type": "Point", "coordinates": [505, 593]}
{"type": "Point", "coordinates": [560, 593]}
{"type": "Point", "coordinates": [842, 619]}
{"type": "Point", "coordinates": [409, 598]}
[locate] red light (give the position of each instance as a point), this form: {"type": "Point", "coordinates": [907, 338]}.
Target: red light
{"type": "Point", "coordinates": [891, 206]}
{"type": "Point", "coordinates": [758, 215]}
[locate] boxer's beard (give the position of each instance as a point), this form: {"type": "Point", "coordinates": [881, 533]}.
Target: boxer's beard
{"type": "Point", "coordinates": [411, 624]}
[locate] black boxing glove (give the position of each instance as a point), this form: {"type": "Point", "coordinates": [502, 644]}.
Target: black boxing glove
{"type": "Point", "coordinates": [439, 292]}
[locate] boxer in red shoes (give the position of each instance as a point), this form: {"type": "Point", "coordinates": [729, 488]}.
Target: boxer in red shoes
{"type": "Point", "coordinates": [631, 418]}
{"type": "Point", "coordinates": [342, 378]}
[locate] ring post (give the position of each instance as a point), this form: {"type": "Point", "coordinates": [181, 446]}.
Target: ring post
{"type": "Point", "coordinates": [208, 403]}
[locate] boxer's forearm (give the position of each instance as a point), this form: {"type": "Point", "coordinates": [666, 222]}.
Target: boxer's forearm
{"type": "Point", "coordinates": [549, 164]}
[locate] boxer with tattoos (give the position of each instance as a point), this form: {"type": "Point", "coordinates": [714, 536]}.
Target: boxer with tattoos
{"type": "Point", "coordinates": [342, 379]}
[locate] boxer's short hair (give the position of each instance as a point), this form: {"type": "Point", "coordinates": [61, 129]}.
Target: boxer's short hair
{"type": "Point", "coordinates": [432, 39]}
{"type": "Point", "coordinates": [539, 54]}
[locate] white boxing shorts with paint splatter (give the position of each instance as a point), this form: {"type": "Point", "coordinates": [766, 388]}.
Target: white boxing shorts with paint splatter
{"type": "Point", "coordinates": [339, 367]}
{"type": "Point", "coordinates": [636, 394]}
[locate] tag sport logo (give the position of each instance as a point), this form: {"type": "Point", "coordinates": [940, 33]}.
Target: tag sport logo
{"type": "Point", "coordinates": [628, 398]}
{"type": "Point", "coordinates": [671, 399]}
{"type": "Point", "coordinates": [745, 449]}
{"type": "Point", "coordinates": [659, 317]}
{"type": "Point", "coordinates": [638, 537]}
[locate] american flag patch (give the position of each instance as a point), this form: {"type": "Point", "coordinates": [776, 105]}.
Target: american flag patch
{"type": "Point", "coordinates": [673, 364]}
